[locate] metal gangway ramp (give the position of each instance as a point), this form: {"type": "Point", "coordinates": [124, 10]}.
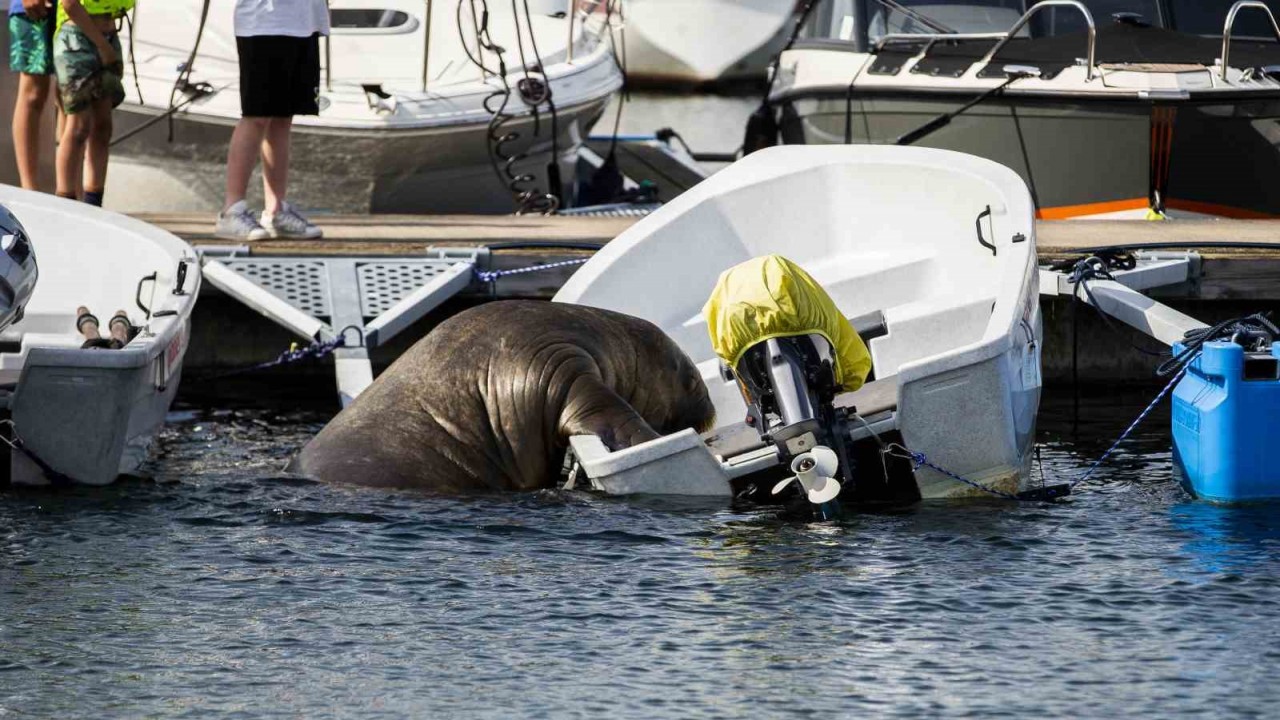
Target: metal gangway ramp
{"type": "Point", "coordinates": [365, 301]}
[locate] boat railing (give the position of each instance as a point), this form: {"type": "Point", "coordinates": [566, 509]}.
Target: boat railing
{"type": "Point", "coordinates": [1231, 23]}
{"type": "Point", "coordinates": [586, 8]}
{"type": "Point", "coordinates": [1006, 36]}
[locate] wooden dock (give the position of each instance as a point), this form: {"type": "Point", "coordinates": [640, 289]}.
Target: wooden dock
{"type": "Point", "coordinates": [1249, 271]}
{"type": "Point", "coordinates": [1240, 274]}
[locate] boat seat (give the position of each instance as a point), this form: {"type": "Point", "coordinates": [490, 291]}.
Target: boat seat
{"type": "Point", "coordinates": [71, 340]}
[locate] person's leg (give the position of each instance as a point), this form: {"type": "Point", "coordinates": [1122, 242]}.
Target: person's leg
{"type": "Point", "coordinates": [236, 221]}
{"type": "Point", "coordinates": [96, 152]}
{"type": "Point", "coordinates": [70, 159]}
{"type": "Point", "coordinates": [299, 76]}
{"type": "Point", "coordinates": [33, 95]}
{"type": "Point", "coordinates": [275, 163]}
{"type": "Point", "coordinates": [242, 156]}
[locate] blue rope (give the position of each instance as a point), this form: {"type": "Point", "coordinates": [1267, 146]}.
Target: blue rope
{"type": "Point", "coordinates": [920, 460]}
{"type": "Point", "coordinates": [316, 349]}
{"type": "Point", "coordinates": [492, 275]}
{"type": "Point", "coordinates": [1134, 425]}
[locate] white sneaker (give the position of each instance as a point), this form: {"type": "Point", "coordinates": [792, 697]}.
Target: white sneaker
{"type": "Point", "coordinates": [289, 223]}
{"type": "Point", "coordinates": [238, 223]}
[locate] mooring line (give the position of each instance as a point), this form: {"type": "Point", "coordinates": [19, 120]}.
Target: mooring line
{"type": "Point", "coordinates": [920, 460]}
{"type": "Point", "coordinates": [492, 275]}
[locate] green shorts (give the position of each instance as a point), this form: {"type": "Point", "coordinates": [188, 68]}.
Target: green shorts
{"type": "Point", "coordinates": [82, 78]}
{"type": "Point", "coordinates": [31, 45]}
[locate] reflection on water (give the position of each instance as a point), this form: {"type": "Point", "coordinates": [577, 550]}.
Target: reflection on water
{"type": "Point", "coordinates": [219, 589]}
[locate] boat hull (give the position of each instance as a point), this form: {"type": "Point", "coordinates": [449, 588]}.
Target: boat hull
{"type": "Point", "coordinates": [1001, 397]}
{"type": "Point", "coordinates": [1080, 157]}
{"type": "Point", "coordinates": [439, 169]}
{"type": "Point", "coordinates": [671, 42]}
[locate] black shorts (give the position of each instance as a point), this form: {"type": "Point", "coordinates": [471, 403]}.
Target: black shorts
{"type": "Point", "coordinates": [279, 75]}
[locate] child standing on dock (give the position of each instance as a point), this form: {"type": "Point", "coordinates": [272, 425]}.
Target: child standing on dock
{"type": "Point", "coordinates": [87, 59]}
{"type": "Point", "coordinates": [279, 46]}
{"type": "Point", "coordinates": [31, 56]}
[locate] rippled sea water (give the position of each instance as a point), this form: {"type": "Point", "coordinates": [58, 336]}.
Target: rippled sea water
{"type": "Point", "coordinates": [218, 589]}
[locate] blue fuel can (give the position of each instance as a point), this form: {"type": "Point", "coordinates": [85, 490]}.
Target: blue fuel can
{"type": "Point", "coordinates": [1226, 424]}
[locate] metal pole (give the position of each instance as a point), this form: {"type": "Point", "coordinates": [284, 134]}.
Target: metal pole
{"type": "Point", "coordinates": [573, 13]}
{"type": "Point", "coordinates": [426, 48]}
{"type": "Point", "coordinates": [328, 57]}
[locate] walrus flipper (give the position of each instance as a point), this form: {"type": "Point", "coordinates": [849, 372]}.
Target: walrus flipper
{"type": "Point", "coordinates": [593, 408]}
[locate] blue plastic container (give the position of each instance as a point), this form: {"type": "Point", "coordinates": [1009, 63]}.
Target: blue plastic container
{"type": "Point", "coordinates": [1226, 424]}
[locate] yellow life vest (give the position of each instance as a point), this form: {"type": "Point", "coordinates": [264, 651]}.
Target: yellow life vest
{"type": "Point", "coordinates": [114, 8]}
{"type": "Point", "coordinates": [770, 297]}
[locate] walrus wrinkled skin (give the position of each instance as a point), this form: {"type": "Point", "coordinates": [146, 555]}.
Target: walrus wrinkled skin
{"type": "Point", "coordinates": [488, 400]}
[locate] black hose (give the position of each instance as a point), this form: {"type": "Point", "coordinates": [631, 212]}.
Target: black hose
{"type": "Point", "coordinates": [1254, 332]}
{"type": "Point", "coordinates": [1211, 245]}
{"type": "Point", "coordinates": [184, 75]}
{"type": "Point", "coordinates": [544, 244]}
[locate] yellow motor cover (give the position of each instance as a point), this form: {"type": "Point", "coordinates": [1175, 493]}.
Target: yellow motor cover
{"type": "Point", "coordinates": [771, 297]}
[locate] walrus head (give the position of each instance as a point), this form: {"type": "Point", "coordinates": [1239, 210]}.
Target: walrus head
{"type": "Point", "coordinates": [668, 391]}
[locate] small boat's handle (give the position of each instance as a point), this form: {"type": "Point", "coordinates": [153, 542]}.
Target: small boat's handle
{"type": "Point", "coordinates": [138, 299]}
{"type": "Point", "coordinates": [978, 223]}
{"type": "Point", "coordinates": [180, 287]}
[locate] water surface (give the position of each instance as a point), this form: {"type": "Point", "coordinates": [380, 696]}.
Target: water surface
{"type": "Point", "coordinates": [218, 589]}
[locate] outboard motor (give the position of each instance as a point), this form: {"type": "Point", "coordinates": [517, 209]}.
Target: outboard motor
{"type": "Point", "coordinates": [790, 387]}
{"type": "Point", "coordinates": [792, 351]}
{"type": "Point", "coordinates": [18, 272]}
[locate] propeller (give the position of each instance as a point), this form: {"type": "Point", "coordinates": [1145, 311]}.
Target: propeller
{"type": "Point", "coordinates": [815, 471]}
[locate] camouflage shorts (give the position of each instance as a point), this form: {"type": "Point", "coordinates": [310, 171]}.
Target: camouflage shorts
{"type": "Point", "coordinates": [82, 78]}
{"type": "Point", "coordinates": [31, 45]}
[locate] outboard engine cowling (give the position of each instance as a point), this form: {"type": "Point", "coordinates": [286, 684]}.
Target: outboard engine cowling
{"type": "Point", "coordinates": [18, 271]}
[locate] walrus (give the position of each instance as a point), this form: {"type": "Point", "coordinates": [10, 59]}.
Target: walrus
{"type": "Point", "coordinates": [488, 400]}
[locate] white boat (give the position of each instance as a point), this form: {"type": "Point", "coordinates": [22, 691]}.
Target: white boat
{"type": "Point", "coordinates": [933, 248]}
{"type": "Point", "coordinates": [407, 120]}
{"type": "Point", "coordinates": [91, 415]}
{"type": "Point", "coordinates": [1106, 108]}
{"type": "Point", "coordinates": [704, 41]}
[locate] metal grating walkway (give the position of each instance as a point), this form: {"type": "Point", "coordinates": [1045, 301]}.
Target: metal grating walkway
{"type": "Point", "coordinates": [320, 298]}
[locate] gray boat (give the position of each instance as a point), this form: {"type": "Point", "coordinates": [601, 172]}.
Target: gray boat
{"type": "Point", "coordinates": [1106, 108]}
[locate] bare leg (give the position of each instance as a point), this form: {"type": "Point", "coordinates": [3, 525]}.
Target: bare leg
{"type": "Point", "coordinates": [275, 163]}
{"type": "Point", "coordinates": [96, 153]}
{"type": "Point", "coordinates": [242, 156]}
{"type": "Point", "coordinates": [33, 94]}
{"type": "Point", "coordinates": [75, 136]}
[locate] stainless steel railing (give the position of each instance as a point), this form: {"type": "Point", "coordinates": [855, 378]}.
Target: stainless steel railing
{"type": "Point", "coordinates": [1229, 26]}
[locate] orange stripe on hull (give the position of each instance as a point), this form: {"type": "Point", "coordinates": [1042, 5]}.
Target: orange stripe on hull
{"type": "Point", "coordinates": [1227, 211]}
{"type": "Point", "coordinates": [1066, 212]}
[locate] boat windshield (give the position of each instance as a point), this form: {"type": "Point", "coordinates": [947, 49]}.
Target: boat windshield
{"type": "Point", "coordinates": [1208, 17]}
{"type": "Point", "coordinates": [860, 21]}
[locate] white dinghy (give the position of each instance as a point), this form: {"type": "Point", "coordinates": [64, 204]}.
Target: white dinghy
{"type": "Point", "coordinates": [409, 120]}
{"type": "Point", "coordinates": [929, 253]}
{"type": "Point", "coordinates": [90, 415]}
